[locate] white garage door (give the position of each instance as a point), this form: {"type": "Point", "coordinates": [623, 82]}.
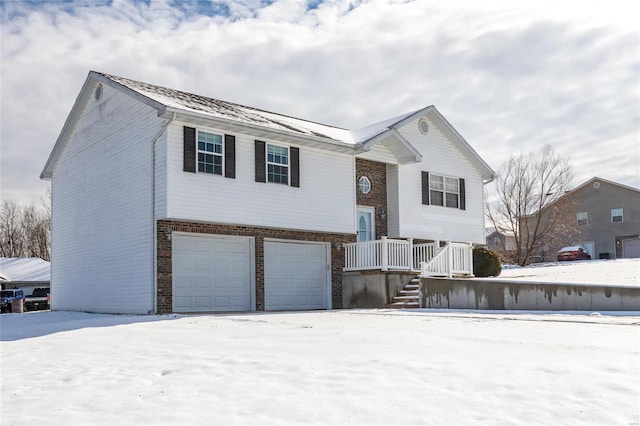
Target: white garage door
{"type": "Point", "coordinates": [296, 275]}
{"type": "Point", "coordinates": [212, 273]}
{"type": "Point", "coordinates": [631, 248]}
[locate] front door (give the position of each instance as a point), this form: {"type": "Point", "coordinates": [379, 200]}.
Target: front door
{"type": "Point", "coordinates": [366, 224]}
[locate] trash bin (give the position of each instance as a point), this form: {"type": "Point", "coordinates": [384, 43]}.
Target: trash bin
{"type": "Point", "coordinates": [17, 306]}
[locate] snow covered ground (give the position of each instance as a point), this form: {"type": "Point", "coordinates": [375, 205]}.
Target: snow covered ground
{"type": "Point", "coordinates": [625, 272]}
{"type": "Point", "coordinates": [358, 367]}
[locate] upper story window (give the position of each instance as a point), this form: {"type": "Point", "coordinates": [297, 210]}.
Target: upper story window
{"type": "Point", "coordinates": [210, 153]}
{"type": "Point", "coordinates": [440, 190]}
{"type": "Point", "coordinates": [365, 185]}
{"type": "Point", "coordinates": [278, 164]}
{"type": "Point", "coordinates": [583, 218]}
{"type": "Point", "coordinates": [444, 191]}
{"type": "Point", "coordinates": [616, 215]}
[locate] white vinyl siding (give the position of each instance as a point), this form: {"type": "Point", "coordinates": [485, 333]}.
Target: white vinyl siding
{"type": "Point", "coordinates": [324, 202]}
{"type": "Point", "coordinates": [102, 227]}
{"type": "Point", "coordinates": [439, 157]}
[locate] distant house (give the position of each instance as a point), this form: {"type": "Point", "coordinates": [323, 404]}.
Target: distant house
{"type": "Point", "coordinates": [165, 201]}
{"type": "Point", "coordinates": [606, 221]}
{"type": "Point", "coordinates": [26, 273]}
{"type": "Point", "coordinates": [501, 241]}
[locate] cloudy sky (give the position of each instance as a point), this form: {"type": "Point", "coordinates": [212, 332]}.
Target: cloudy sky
{"type": "Point", "coordinates": [510, 76]}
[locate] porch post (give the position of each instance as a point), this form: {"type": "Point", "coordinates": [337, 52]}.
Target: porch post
{"type": "Point", "coordinates": [384, 253]}
{"type": "Point", "coordinates": [449, 259]}
{"type": "Point", "coordinates": [410, 254]}
{"type": "Point", "coordinates": [471, 259]}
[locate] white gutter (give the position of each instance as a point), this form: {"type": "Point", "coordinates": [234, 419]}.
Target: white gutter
{"type": "Point", "coordinates": [230, 124]}
{"type": "Point", "coordinates": [154, 252]}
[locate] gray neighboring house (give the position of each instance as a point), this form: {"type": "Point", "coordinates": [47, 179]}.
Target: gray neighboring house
{"type": "Point", "coordinates": [501, 241]}
{"type": "Point", "coordinates": [607, 222]}
{"type": "Point", "coordinates": [26, 273]}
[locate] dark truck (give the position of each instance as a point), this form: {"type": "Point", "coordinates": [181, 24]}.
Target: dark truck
{"type": "Point", "coordinates": [38, 300]}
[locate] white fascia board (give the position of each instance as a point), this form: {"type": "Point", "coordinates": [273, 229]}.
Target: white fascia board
{"type": "Point", "coordinates": [262, 131]}
{"type": "Point", "coordinates": [488, 174]}
{"type": "Point", "coordinates": [161, 108]}
{"type": "Point", "coordinates": [413, 152]}
{"type": "Point", "coordinates": [72, 118]}
{"type": "Point", "coordinates": [76, 110]}
{"type": "Point", "coordinates": [417, 157]}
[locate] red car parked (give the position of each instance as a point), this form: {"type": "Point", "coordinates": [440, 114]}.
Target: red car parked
{"type": "Point", "coordinates": [573, 253]}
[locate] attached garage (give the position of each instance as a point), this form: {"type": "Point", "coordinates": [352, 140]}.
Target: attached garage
{"type": "Point", "coordinates": [631, 247]}
{"type": "Point", "coordinates": [297, 275]}
{"type": "Point", "coordinates": [212, 273]}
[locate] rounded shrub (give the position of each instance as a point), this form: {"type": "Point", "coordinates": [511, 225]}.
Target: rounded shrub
{"type": "Point", "coordinates": [486, 263]}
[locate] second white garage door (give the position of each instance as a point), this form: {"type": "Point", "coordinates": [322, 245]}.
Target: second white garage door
{"type": "Point", "coordinates": [212, 273]}
{"type": "Point", "coordinates": [297, 275]}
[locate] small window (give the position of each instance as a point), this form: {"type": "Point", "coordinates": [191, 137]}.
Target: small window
{"type": "Point", "coordinates": [583, 218]}
{"type": "Point", "coordinates": [616, 215]}
{"type": "Point", "coordinates": [365, 185]}
{"type": "Point", "coordinates": [496, 240]}
{"type": "Point", "coordinates": [278, 164]}
{"type": "Point", "coordinates": [209, 153]}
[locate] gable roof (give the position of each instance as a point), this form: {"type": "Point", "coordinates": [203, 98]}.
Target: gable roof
{"type": "Point", "coordinates": [24, 269]}
{"type": "Point", "coordinates": [235, 117]}
{"type": "Point", "coordinates": [596, 178]}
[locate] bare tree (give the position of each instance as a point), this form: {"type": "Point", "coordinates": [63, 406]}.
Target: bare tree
{"type": "Point", "coordinates": [25, 230]}
{"type": "Point", "coordinates": [11, 240]}
{"type": "Point", "coordinates": [528, 203]}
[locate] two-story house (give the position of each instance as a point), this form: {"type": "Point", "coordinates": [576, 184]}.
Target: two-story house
{"type": "Point", "coordinates": [165, 201]}
{"type": "Point", "coordinates": [606, 221]}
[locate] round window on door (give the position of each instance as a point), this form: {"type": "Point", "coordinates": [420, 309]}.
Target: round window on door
{"type": "Point", "coordinates": [365, 185]}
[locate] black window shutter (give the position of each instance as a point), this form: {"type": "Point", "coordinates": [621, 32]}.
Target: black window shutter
{"type": "Point", "coordinates": [189, 150]}
{"type": "Point", "coordinates": [261, 167]}
{"type": "Point", "coordinates": [463, 203]}
{"type": "Point", "coordinates": [425, 188]}
{"type": "Point", "coordinates": [230, 156]}
{"type": "Point", "coordinates": [295, 166]}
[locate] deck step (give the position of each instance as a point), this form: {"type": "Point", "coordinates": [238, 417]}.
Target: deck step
{"type": "Point", "coordinates": [407, 297]}
{"type": "Point", "coordinates": [403, 305]}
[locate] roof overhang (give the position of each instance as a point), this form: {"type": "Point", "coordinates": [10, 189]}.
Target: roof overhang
{"type": "Point", "coordinates": [258, 131]}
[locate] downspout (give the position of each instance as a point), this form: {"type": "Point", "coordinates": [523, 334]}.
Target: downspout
{"type": "Point", "coordinates": [154, 252]}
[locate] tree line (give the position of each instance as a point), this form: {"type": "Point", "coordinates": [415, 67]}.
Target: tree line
{"type": "Point", "coordinates": [25, 229]}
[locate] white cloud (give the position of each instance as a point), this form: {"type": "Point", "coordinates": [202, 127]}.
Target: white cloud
{"type": "Point", "coordinates": [507, 75]}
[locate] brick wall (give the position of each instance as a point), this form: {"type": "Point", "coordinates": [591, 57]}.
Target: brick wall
{"type": "Point", "coordinates": [165, 295]}
{"type": "Point", "coordinates": [377, 197]}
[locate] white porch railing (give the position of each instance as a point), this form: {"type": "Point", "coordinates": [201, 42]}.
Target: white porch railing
{"type": "Point", "coordinates": [452, 259]}
{"type": "Point", "coordinates": [402, 255]}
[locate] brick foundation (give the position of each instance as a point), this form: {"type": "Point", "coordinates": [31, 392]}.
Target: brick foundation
{"type": "Point", "coordinates": [164, 259]}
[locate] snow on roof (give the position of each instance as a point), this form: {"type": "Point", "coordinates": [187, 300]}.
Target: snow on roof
{"type": "Point", "coordinates": [177, 99]}
{"type": "Point", "coordinates": [24, 269]}
{"type": "Point", "coordinates": [228, 110]}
